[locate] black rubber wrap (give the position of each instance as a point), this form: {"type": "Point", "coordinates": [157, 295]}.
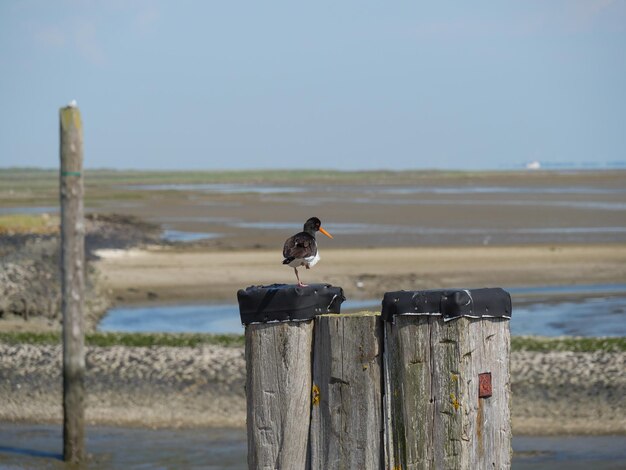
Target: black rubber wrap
{"type": "Point", "coordinates": [492, 302]}
{"type": "Point", "coordinates": [288, 302]}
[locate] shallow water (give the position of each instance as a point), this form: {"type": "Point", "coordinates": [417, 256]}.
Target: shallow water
{"type": "Point", "coordinates": [182, 236]}
{"type": "Point", "coordinates": [28, 210]}
{"type": "Point", "coordinates": [595, 316]}
{"type": "Point", "coordinates": [193, 318]}
{"type": "Point", "coordinates": [220, 318]}
{"type": "Point", "coordinates": [402, 189]}
{"type": "Point", "coordinates": [569, 453]}
{"type": "Point", "coordinates": [40, 447]}
{"type": "Point", "coordinates": [535, 312]}
{"type": "Point", "coordinates": [36, 446]}
{"type": "Point", "coordinates": [356, 228]}
{"type": "Point", "coordinates": [218, 188]}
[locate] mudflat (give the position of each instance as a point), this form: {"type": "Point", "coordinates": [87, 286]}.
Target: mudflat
{"type": "Point", "coordinates": [406, 230]}
{"type": "Point", "coordinates": [387, 210]}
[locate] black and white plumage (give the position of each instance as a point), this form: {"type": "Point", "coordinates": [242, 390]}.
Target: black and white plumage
{"type": "Point", "coordinates": [301, 249]}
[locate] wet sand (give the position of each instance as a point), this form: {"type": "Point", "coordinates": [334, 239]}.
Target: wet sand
{"type": "Point", "coordinates": [168, 274]}
{"type": "Point", "coordinates": [412, 210]}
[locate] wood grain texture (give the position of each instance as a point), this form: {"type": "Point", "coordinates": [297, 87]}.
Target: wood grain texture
{"type": "Point", "coordinates": [72, 283]}
{"type": "Point", "coordinates": [278, 393]}
{"type": "Point", "coordinates": [488, 420]}
{"type": "Point", "coordinates": [346, 418]}
{"type": "Point", "coordinates": [435, 418]}
{"type": "Point", "coordinates": [408, 365]}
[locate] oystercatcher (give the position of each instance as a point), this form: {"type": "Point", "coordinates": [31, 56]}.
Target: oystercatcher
{"type": "Point", "coordinates": [301, 249]}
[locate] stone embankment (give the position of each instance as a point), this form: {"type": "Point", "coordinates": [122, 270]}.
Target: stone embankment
{"type": "Point", "coordinates": [553, 392]}
{"type": "Point", "coordinates": [30, 278]}
{"type": "Point", "coordinates": [150, 386]}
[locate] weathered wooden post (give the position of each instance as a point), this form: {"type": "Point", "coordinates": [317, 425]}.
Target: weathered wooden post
{"type": "Point", "coordinates": [447, 379]}
{"type": "Point", "coordinates": [346, 417]}
{"type": "Point", "coordinates": [72, 282]}
{"type": "Point", "coordinates": [279, 340]}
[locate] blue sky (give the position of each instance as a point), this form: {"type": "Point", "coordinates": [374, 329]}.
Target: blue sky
{"type": "Point", "coordinates": [341, 85]}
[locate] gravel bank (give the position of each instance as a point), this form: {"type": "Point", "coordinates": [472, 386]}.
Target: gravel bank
{"type": "Point", "coordinates": [157, 386]}
{"type": "Point", "coordinates": [30, 276]}
{"type": "Point", "coordinates": [565, 392]}
{"type": "Point", "coordinates": [553, 393]}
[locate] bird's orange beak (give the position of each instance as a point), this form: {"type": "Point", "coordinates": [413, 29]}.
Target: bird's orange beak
{"type": "Point", "coordinates": [325, 232]}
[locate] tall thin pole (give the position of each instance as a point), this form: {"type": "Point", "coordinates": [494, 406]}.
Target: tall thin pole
{"type": "Point", "coordinates": [72, 283]}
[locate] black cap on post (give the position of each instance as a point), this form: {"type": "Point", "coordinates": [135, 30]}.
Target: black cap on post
{"type": "Point", "coordinates": [288, 302]}
{"type": "Point", "coordinates": [449, 303]}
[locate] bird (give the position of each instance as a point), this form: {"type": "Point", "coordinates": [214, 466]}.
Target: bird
{"type": "Point", "coordinates": [301, 248]}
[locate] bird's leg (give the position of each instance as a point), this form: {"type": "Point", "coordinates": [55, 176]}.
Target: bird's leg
{"type": "Point", "coordinates": [307, 266]}
{"type": "Point", "coordinates": [298, 278]}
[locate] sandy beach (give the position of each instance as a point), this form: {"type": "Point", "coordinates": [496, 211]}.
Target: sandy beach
{"type": "Point", "coordinates": [175, 275]}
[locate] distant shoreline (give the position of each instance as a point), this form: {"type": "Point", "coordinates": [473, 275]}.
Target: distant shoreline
{"type": "Point", "coordinates": [583, 167]}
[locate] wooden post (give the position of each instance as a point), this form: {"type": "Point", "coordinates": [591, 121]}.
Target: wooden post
{"type": "Point", "coordinates": [448, 386]}
{"type": "Point", "coordinates": [72, 283]}
{"type": "Point", "coordinates": [407, 362]}
{"type": "Point", "coordinates": [445, 372]}
{"type": "Point", "coordinates": [278, 393]}
{"type": "Point", "coordinates": [279, 352]}
{"type": "Point", "coordinates": [346, 419]}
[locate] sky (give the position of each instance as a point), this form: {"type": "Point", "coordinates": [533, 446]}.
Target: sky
{"type": "Point", "coordinates": [344, 85]}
